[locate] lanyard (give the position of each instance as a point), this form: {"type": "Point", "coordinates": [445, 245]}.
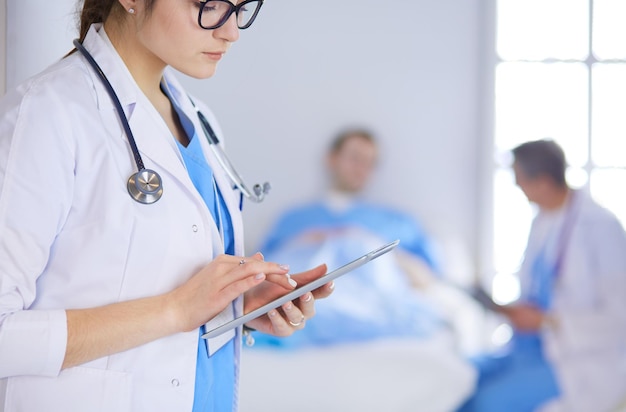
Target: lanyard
{"type": "Point", "coordinates": [570, 218]}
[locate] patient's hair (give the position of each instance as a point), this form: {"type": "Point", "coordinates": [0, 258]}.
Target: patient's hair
{"type": "Point", "coordinates": [346, 134]}
{"type": "Point", "coordinates": [542, 157]}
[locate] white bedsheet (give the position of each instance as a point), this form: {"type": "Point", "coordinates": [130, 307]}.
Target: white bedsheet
{"type": "Point", "coordinates": [381, 376]}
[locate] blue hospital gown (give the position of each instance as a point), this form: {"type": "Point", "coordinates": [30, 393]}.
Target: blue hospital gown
{"type": "Point", "coordinates": [375, 300]}
{"type": "Point", "coordinates": [384, 222]}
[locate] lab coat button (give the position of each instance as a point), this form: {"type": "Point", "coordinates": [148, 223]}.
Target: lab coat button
{"type": "Point", "coordinates": [175, 383]}
{"type": "Point", "coordinates": [194, 228]}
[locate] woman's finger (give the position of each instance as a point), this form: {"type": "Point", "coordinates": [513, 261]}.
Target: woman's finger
{"type": "Point", "coordinates": [324, 291]}
{"type": "Point", "coordinates": [280, 322]}
{"type": "Point", "coordinates": [293, 315]}
{"type": "Point", "coordinates": [250, 266]}
{"type": "Point", "coordinates": [282, 280]}
{"type": "Point", "coordinates": [306, 303]}
{"type": "Point", "coordinates": [279, 325]}
{"type": "Point", "coordinates": [310, 275]}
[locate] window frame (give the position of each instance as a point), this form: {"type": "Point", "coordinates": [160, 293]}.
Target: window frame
{"type": "Point", "coordinates": [486, 263]}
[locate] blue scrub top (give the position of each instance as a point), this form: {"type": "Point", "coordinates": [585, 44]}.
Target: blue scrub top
{"type": "Point", "coordinates": [215, 375]}
{"type": "Point", "coordinates": [520, 379]}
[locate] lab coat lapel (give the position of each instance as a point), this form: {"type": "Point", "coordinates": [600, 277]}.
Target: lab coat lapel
{"type": "Point", "coordinates": [231, 196]}
{"type": "Point", "coordinates": [127, 91]}
{"type": "Point", "coordinates": [152, 136]}
{"type": "Point", "coordinates": [155, 142]}
{"type": "Point", "coordinates": [165, 155]}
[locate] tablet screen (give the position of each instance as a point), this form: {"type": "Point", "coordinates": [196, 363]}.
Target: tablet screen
{"type": "Point", "coordinates": [302, 290]}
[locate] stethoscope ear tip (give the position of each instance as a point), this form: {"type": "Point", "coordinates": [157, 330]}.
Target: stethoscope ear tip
{"type": "Point", "coordinates": [258, 192]}
{"type": "Point", "coordinates": [262, 190]}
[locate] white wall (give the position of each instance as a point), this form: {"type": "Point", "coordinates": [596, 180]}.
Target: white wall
{"type": "Point", "coordinates": [3, 43]}
{"type": "Point", "coordinates": [408, 69]}
{"type": "Point", "coordinates": [484, 257]}
{"type": "Point", "coordinates": [39, 33]}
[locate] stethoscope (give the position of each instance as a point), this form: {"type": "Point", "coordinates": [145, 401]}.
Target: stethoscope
{"type": "Point", "coordinates": [146, 186]}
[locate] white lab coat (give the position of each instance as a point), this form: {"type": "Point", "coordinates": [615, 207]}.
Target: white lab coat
{"type": "Point", "coordinates": [587, 347]}
{"type": "Point", "coordinates": [71, 237]}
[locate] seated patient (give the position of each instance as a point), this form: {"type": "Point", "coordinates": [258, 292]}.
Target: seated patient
{"type": "Point", "coordinates": [378, 299]}
{"type": "Point", "coordinates": [351, 160]}
{"type": "Point", "coordinates": [388, 345]}
{"type": "Point", "coordinates": [568, 351]}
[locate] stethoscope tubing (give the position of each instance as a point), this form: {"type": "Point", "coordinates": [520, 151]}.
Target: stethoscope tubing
{"type": "Point", "coordinates": [116, 102]}
{"type": "Point", "coordinates": [145, 186]}
{"type": "Point", "coordinates": [258, 193]}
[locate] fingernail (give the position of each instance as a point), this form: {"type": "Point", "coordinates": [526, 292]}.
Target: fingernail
{"type": "Point", "coordinates": [331, 285]}
{"type": "Point", "coordinates": [289, 306]}
{"type": "Point", "coordinates": [307, 297]}
{"type": "Point", "coordinates": [293, 282]}
{"type": "Point", "coordinates": [260, 276]}
{"type": "Point", "coordinates": [284, 267]}
{"type": "Point", "coordinates": [272, 313]}
{"type": "Point", "coordinates": [261, 254]}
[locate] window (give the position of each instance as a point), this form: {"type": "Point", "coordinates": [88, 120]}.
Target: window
{"type": "Point", "coordinates": [561, 74]}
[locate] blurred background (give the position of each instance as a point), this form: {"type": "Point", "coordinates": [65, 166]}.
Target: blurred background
{"type": "Point", "coordinates": [448, 86]}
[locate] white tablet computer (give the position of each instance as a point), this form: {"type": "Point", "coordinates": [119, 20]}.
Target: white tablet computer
{"type": "Point", "coordinates": [301, 290]}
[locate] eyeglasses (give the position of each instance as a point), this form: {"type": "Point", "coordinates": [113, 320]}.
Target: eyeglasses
{"type": "Point", "coordinates": [214, 13]}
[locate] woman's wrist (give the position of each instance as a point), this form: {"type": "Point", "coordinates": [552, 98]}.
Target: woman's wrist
{"type": "Point", "coordinates": [172, 314]}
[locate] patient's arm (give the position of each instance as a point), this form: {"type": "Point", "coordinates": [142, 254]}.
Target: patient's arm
{"type": "Point", "coordinates": [321, 234]}
{"type": "Point", "coordinates": [463, 315]}
{"type": "Point", "coordinates": [419, 273]}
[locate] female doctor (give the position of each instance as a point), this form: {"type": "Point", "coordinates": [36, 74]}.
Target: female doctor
{"type": "Point", "coordinates": [106, 282]}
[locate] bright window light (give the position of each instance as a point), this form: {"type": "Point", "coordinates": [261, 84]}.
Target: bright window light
{"type": "Point", "coordinates": [543, 29]}
{"type": "Point", "coordinates": [609, 30]}
{"type": "Point", "coordinates": [512, 217]}
{"type": "Point", "coordinates": [549, 84]}
{"type": "Point", "coordinates": [609, 107]}
{"type": "Point", "coordinates": [543, 100]}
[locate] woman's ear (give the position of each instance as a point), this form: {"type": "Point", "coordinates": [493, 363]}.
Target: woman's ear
{"type": "Point", "coordinates": [131, 6]}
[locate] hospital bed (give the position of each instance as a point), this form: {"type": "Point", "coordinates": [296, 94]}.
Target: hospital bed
{"type": "Point", "coordinates": [383, 375]}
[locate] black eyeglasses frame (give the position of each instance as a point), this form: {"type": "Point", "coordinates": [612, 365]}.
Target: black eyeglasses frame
{"type": "Point", "coordinates": [233, 9]}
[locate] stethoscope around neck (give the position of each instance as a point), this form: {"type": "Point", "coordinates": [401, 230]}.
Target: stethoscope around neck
{"type": "Point", "coordinates": [146, 186]}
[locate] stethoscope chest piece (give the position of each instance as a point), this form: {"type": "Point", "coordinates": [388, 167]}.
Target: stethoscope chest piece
{"type": "Point", "coordinates": [145, 186]}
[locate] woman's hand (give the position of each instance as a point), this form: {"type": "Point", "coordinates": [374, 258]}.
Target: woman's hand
{"type": "Point", "coordinates": [220, 282]}
{"type": "Point", "coordinates": [292, 315]}
{"type": "Point", "coordinates": [96, 332]}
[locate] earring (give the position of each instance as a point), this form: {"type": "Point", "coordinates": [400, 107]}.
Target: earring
{"type": "Point", "coordinates": [131, 10]}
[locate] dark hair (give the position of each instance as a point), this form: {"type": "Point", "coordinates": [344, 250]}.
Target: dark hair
{"type": "Point", "coordinates": [97, 11]}
{"type": "Point", "coordinates": [542, 157]}
{"type": "Point", "coordinates": [343, 137]}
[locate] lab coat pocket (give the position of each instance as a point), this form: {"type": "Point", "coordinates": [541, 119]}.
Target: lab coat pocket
{"type": "Point", "coordinates": [74, 390]}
